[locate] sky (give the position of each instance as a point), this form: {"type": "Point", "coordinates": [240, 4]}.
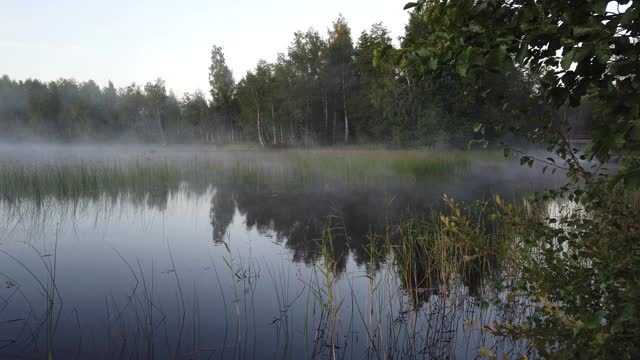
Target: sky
{"type": "Point", "coordinates": [140, 40]}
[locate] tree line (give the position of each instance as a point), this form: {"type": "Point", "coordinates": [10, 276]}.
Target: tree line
{"type": "Point", "coordinates": [325, 90]}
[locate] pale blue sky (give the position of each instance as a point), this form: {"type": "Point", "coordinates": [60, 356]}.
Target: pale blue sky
{"type": "Point", "coordinates": [126, 41]}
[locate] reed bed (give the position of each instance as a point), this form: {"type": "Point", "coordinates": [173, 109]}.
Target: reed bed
{"type": "Point", "coordinates": [288, 169]}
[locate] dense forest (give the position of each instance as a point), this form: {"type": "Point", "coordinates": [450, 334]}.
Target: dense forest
{"type": "Point", "coordinates": [325, 90]}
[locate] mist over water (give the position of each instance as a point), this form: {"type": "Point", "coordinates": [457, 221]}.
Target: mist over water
{"type": "Point", "coordinates": [194, 251]}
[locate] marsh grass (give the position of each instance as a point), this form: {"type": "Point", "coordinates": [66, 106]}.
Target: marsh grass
{"type": "Point", "coordinates": [431, 272]}
{"type": "Point", "coordinates": [149, 176]}
{"type": "Point", "coordinates": [53, 299]}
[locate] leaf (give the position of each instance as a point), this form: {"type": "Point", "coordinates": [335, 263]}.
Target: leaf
{"type": "Point", "coordinates": [582, 52]}
{"type": "Point", "coordinates": [410, 5]}
{"type": "Point", "coordinates": [423, 51]}
{"type": "Point", "coordinates": [497, 57]}
{"type": "Point", "coordinates": [475, 27]}
{"type": "Point", "coordinates": [603, 53]}
{"type": "Point", "coordinates": [226, 246]}
{"type": "Point", "coordinates": [621, 68]}
{"type": "Point", "coordinates": [433, 64]}
{"type": "Point", "coordinates": [319, 300]}
{"type": "Point", "coordinates": [227, 263]}
{"type": "Point", "coordinates": [522, 54]}
{"type": "Point", "coordinates": [548, 28]}
{"type": "Point", "coordinates": [593, 320]}
{"type": "Point", "coordinates": [630, 15]}
{"type": "Point", "coordinates": [629, 173]}
{"type": "Point", "coordinates": [461, 67]}
{"type": "Point", "coordinates": [483, 352]}
{"type": "Point", "coordinates": [579, 325]}
{"type": "Point", "coordinates": [599, 7]}
{"type": "Point", "coordinates": [567, 59]}
{"type": "Point", "coordinates": [583, 31]}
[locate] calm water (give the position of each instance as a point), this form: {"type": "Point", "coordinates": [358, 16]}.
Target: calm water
{"type": "Point", "coordinates": [205, 267]}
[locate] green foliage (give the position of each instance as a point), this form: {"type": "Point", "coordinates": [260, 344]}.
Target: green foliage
{"type": "Point", "coordinates": [575, 51]}
{"type": "Point", "coordinates": [328, 90]}
{"type": "Point", "coordinates": [223, 88]}
{"type": "Point", "coordinates": [578, 263]}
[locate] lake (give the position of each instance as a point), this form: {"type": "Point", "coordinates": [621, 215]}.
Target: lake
{"type": "Point", "coordinates": [235, 253]}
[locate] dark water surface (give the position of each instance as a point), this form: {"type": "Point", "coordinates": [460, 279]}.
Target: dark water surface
{"type": "Point", "coordinates": [205, 266]}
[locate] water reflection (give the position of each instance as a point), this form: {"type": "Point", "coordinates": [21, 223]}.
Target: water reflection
{"type": "Point", "coordinates": [239, 263]}
{"type": "Point", "coordinates": [298, 219]}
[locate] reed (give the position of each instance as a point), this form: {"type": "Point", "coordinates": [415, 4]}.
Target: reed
{"type": "Point", "coordinates": [149, 175]}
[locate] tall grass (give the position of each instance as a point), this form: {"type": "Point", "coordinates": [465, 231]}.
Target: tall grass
{"type": "Point", "coordinates": [86, 178]}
